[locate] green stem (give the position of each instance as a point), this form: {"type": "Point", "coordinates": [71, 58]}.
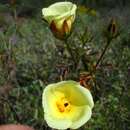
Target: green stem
{"type": "Point", "coordinates": [70, 51]}
{"type": "Point", "coordinates": [83, 59]}
{"type": "Point", "coordinates": [103, 53]}
{"type": "Point", "coordinates": [101, 57]}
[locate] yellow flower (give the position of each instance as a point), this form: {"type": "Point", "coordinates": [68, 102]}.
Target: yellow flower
{"type": "Point", "coordinates": [67, 105]}
{"type": "Point", "coordinates": [60, 17]}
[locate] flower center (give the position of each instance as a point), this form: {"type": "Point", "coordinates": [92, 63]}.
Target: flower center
{"type": "Point", "coordinates": [63, 105]}
{"type": "Point", "coordinates": [66, 104]}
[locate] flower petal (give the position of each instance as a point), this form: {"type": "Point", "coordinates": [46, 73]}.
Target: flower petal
{"type": "Point", "coordinates": [83, 118]}
{"type": "Point", "coordinates": [88, 96]}
{"type": "Point", "coordinates": [46, 97]}
{"type": "Point", "coordinates": [57, 123]}
{"type": "Point", "coordinates": [77, 94]}
{"type": "Point", "coordinates": [59, 11]}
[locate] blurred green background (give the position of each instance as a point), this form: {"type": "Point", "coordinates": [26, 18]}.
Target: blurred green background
{"type": "Point", "coordinates": [31, 57]}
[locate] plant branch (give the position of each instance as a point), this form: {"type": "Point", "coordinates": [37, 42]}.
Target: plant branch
{"type": "Point", "coordinates": [70, 51]}
{"type": "Point", "coordinates": [103, 53]}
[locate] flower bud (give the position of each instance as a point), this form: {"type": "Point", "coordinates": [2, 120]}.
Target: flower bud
{"type": "Point", "coordinates": [60, 17]}
{"type": "Point", "coordinates": [112, 28]}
